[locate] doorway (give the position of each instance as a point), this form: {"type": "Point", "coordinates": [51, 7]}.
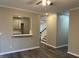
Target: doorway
{"type": "Point", "coordinates": [43, 29]}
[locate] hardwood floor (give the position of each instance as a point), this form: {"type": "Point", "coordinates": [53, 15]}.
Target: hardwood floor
{"type": "Point", "coordinates": [43, 52]}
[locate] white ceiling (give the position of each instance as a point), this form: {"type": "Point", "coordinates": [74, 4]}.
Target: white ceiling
{"type": "Point", "coordinates": [59, 5]}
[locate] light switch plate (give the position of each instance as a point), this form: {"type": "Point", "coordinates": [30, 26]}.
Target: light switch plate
{"type": "Point", "coordinates": [0, 33]}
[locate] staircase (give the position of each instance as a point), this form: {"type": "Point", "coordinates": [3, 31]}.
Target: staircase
{"type": "Point", "coordinates": [43, 29]}
{"type": "Point", "coordinates": [44, 35]}
{"type": "Point", "coordinates": [44, 39]}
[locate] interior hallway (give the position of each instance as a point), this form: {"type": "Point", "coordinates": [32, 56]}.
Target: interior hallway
{"type": "Point", "coordinates": [43, 52]}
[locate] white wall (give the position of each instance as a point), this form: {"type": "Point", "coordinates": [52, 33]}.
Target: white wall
{"type": "Point", "coordinates": [73, 43]}
{"type": "Point", "coordinates": [57, 29]}
{"type": "Point", "coordinates": [52, 29]}
{"type": "Point", "coordinates": [62, 29]}
{"type": "Point", "coordinates": [9, 43]}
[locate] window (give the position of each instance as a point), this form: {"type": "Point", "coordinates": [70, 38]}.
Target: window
{"type": "Point", "coordinates": [21, 26]}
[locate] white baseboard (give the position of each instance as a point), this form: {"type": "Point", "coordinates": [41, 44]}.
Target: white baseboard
{"type": "Point", "coordinates": [62, 46]}
{"type": "Point", "coordinates": [48, 44]}
{"type": "Point", "coordinates": [73, 54]}
{"type": "Point", "coordinates": [3, 53]}
{"type": "Point", "coordinates": [54, 46]}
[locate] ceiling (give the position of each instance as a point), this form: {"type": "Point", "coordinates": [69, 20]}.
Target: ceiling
{"type": "Point", "coordinates": [59, 5]}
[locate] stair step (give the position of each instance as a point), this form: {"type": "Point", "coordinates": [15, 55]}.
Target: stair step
{"type": "Point", "coordinates": [44, 40]}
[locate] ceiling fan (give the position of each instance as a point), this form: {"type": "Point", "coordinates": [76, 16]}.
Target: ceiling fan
{"type": "Point", "coordinates": [45, 2]}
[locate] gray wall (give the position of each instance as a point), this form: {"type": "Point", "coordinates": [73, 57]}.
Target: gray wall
{"type": "Point", "coordinates": [73, 42]}
{"type": "Point", "coordinates": [62, 29]}
{"type": "Point", "coordinates": [9, 43]}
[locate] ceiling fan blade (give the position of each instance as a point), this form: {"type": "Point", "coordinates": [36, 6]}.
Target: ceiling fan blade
{"type": "Point", "coordinates": [38, 2]}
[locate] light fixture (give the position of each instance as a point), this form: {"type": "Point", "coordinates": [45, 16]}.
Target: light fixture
{"type": "Point", "coordinates": [44, 2]}
{"type": "Point", "coordinates": [48, 2]}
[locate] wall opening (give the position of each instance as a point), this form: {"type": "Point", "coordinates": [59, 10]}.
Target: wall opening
{"type": "Point", "coordinates": [62, 29]}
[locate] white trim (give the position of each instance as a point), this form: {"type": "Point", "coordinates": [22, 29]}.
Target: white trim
{"type": "Point", "coordinates": [73, 54]}
{"type": "Point", "coordinates": [54, 46]}
{"type": "Point", "coordinates": [3, 53]}
{"type": "Point", "coordinates": [48, 44]}
{"type": "Point", "coordinates": [62, 46]}
{"type": "Point", "coordinates": [20, 9]}
{"type": "Point", "coordinates": [21, 35]}
{"type": "Point", "coordinates": [75, 8]}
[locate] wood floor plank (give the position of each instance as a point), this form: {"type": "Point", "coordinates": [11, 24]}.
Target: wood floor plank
{"type": "Point", "coordinates": [42, 52]}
